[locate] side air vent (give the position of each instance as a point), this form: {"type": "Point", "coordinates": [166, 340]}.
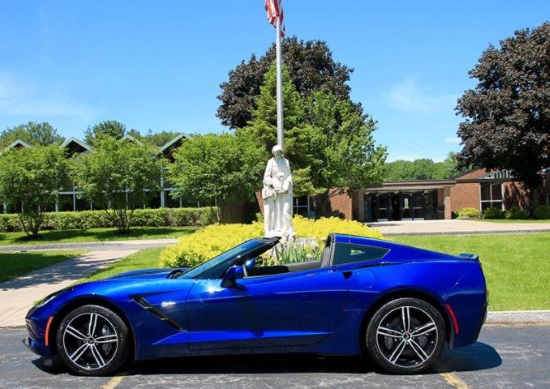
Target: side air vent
{"type": "Point", "coordinates": [158, 313]}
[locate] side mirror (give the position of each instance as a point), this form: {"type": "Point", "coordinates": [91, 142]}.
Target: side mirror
{"type": "Point", "coordinates": [231, 275]}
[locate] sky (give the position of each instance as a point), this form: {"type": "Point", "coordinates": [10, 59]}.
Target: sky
{"type": "Point", "coordinates": [158, 65]}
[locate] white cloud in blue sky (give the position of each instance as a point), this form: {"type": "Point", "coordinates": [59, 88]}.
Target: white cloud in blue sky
{"type": "Point", "coordinates": [410, 95]}
{"type": "Point", "coordinates": [21, 97]}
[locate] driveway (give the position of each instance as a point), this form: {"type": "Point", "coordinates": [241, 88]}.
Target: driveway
{"type": "Point", "coordinates": [455, 227]}
{"type": "Point", "coordinates": [17, 296]}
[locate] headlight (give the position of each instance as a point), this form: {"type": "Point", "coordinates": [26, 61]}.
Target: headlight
{"type": "Point", "coordinates": [52, 296]}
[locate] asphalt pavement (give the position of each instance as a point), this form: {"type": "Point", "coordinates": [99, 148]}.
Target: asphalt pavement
{"type": "Point", "coordinates": [17, 296]}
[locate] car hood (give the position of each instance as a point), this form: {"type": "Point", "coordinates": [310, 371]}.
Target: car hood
{"type": "Point", "coordinates": [147, 274]}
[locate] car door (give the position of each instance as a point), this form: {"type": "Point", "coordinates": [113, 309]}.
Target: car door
{"type": "Point", "coordinates": [291, 309]}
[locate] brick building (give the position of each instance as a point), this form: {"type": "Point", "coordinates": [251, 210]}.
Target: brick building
{"type": "Point", "coordinates": [436, 199]}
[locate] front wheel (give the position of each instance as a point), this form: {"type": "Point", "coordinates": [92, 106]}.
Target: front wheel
{"type": "Point", "coordinates": [93, 340]}
{"type": "Point", "coordinates": [405, 336]}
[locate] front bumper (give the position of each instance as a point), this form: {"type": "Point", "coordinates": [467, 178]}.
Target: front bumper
{"type": "Point", "coordinates": [35, 341]}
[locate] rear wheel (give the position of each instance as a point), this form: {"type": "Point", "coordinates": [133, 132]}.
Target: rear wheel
{"type": "Point", "coordinates": [93, 340]}
{"type": "Point", "coordinates": [405, 336]}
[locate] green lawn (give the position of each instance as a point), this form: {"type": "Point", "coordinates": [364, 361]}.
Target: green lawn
{"type": "Point", "coordinates": [144, 259]}
{"type": "Point", "coordinates": [516, 266]}
{"type": "Point", "coordinates": [93, 235]}
{"type": "Point", "coordinates": [13, 265]}
{"type": "Point", "coordinates": [512, 221]}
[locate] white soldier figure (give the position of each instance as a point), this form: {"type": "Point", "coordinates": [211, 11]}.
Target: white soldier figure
{"type": "Point", "coordinates": [277, 195]}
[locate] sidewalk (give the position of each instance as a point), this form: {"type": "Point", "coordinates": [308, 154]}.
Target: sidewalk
{"type": "Point", "coordinates": [455, 227]}
{"type": "Point", "coordinates": [17, 296]}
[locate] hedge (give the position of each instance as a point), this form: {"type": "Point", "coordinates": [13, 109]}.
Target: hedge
{"type": "Point", "coordinates": [194, 249]}
{"type": "Point", "coordinates": [83, 220]}
{"type": "Point", "coordinates": [542, 212]}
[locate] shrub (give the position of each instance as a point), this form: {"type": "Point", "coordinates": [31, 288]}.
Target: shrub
{"type": "Point", "coordinates": [9, 223]}
{"type": "Point", "coordinates": [83, 220]}
{"type": "Point", "coordinates": [194, 249]}
{"type": "Point", "coordinates": [542, 212]}
{"type": "Point", "coordinates": [493, 213]}
{"type": "Point", "coordinates": [468, 213]}
{"type": "Point", "coordinates": [517, 213]}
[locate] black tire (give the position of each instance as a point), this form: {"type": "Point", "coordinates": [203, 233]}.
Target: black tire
{"type": "Point", "coordinates": [405, 336]}
{"type": "Point", "coordinates": [93, 341]}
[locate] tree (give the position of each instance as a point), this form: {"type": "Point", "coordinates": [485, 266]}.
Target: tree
{"type": "Point", "coordinates": [329, 144]}
{"type": "Point", "coordinates": [448, 168]}
{"type": "Point", "coordinates": [110, 128]}
{"type": "Point", "coordinates": [30, 180]}
{"type": "Point", "coordinates": [421, 169]}
{"type": "Point", "coordinates": [218, 168]}
{"type": "Point", "coordinates": [118, 176]}
{"type": "Point", "coordinates": [159, 139]}
{"type": "Point", "coordinates": [507, 115]}
{"type": "Point", "coordinates": [37, 134]}
{"type": "Point", "coordinates": [263, 126]}
{"type": "Point", "coordinates": [341, 150]}
{"type": "Point", "coordinates": [309, 64]}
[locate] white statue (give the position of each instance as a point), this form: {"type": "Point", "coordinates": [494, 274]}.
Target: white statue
{"type": "Point", "coordinates": [277, 195]}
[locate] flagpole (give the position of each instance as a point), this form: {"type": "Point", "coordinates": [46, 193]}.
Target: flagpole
{"type": "Point", "coordinates": [280, 139]}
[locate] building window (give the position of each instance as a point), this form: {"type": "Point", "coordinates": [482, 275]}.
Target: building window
{"type": "Point", "coordinates": [491, 196]}
{"type": "Point", "coordinates": [302, 206]}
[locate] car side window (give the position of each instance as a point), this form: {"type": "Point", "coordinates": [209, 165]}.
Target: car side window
{"type": "Point", "coordinates": [350, 253]}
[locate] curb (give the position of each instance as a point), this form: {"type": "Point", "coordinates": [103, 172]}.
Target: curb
{"type": "Point", "coordinates": [69, 246]}
{"type": "Point", "coordinates": [518, 317]}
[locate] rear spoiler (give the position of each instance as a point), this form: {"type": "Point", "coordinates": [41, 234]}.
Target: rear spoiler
{"type": "Point", "coordinates": [473, 257]}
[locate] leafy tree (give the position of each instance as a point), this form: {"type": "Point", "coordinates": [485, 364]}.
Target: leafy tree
{"type": "Point", "coordinates": [401, 170]}
{"type": "Point", "coordinates": [159, 139]}
{"type": "Point", "coordinates": [263, 126]}
{"type": "Point", "coordinates": [421, 169]}
{"type": "Point", "coordinates": [507, 115]}
{"type": "Point", "coordinates": [37, 134]}
{"type": "Point", "coordinates": [449, 167]}
{"type": "Point", "coordinates": [30, 180]}
{"type": "Point", "coordinates": [210, 168]}
{"type": "Point", "coordinates": [329, 144]}
{"type": "Point", "coordinates": [110, 128]}
{"type": "Point", "coordinates": [310, 66]}
{"type": "Point", "coordinates": [118, 176]}
{"type": "Point", "coordinates": [341, 150]}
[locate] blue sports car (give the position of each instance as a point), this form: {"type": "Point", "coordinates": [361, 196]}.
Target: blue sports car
{"type": "Point", "coordinates": [397, 303]}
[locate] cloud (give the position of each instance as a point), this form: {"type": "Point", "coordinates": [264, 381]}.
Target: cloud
{"type": "Point", "coordinates": [409, 96]}
{"type": "Point", "coordinates": [20, 97]}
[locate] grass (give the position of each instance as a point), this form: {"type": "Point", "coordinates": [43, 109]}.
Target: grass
{"type": "Point", "coordinates": [93, 235]}
{"type": "Point", "coordinates": [15, 265]}
{"type": "Point", "coordinates": [516, 266]}
{"type": "Point", "coordinates": [512, 221]}
{"type": "Point", "coordinates": [144, 259]}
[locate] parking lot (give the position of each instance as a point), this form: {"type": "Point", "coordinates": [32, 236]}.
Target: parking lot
{"type": "Point", "coordinates": [504, 357]}
{"type": "Point", "coordinates": [514, 355]}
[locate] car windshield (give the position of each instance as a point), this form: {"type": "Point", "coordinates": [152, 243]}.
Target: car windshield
{"type": "Point", "coordinates": [214, 267]}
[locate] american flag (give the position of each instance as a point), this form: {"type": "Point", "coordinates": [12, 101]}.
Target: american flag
{"type": "Point", "coordinates": [274, 9]}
